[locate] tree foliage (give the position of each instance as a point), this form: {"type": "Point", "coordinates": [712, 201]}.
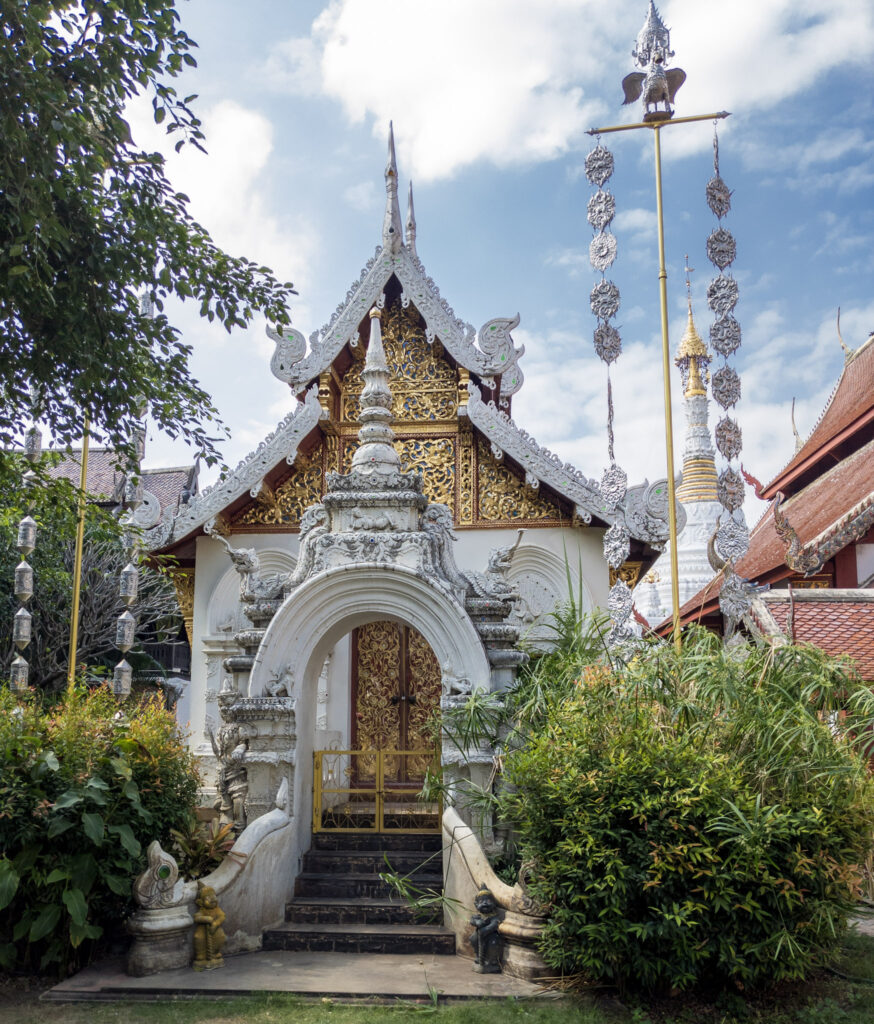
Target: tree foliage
{"type": "Point", "coordinates": [89, 222]}
{"type": "Point", "coordinates": [84, 788]}
{"type": "Point", "coordinates": [694, 819]}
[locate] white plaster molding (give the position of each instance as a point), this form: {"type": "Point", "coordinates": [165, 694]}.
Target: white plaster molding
{"type": "Point", "coordinates": [282, 444]}
{"type": "Point", "coordinates": [322, 610]}
{"type": "Point", "coordinates": [487, 353]}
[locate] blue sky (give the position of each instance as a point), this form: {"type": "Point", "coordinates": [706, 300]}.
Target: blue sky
{"type": "Point", "coordinates": [490, 101]}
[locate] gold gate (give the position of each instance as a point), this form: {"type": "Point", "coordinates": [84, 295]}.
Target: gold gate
{"type": "Point", "coordinates": [359, 791]}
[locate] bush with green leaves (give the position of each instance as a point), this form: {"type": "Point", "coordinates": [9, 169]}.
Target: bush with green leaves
{"type": "Point", "coordinates": [695, 817]}
{"type": "Point", "coordinates": [84, 787]}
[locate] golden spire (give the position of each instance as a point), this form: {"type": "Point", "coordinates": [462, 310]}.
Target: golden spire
{"type": "Point", "coordinates": [692, 350]}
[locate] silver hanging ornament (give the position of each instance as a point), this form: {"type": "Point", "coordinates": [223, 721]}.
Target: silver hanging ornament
{"type": "Point", "coordinates": [128, 583]}
{"type": "Point", "coordinates": [725, 385]}
{"type": "Point", "coordinates": [730, 489]}
{"type": "Point", "coordinates": [728, 437]}
{"type": "Point", "coordinates": [608, 343]}
{"type": "Point", "coordinates": [722, 295]}
{"type": "Point", "coordinates": [26, 536]}
{"type": "Point", "coordinates": [122, 677]}
{"type": "Point", "coordinates": [721, 248]}
{"type": "Point", "coordinates": [18, 673]}
{"type": "Point", "coordinates": [601, 209]}
{"type": "Point", "coordinates": [599, 165]}
{"type": "Point", "coordinates": [614, 483]}
{"type": "Point", "coordinates": [21, 628]}
{"type": "Point", "coordinates": [23, 582]}
{"type": "Point", "coordinates": [604, 300]}
{"type": "Point", "coordinates": [617, 545]}
{"type": "Point", "coordinates": [725, 335]}
{"type": "Point", "coordinates": [732, 538]}
{"type": "Point", "coordinates": [619, 602]}
{"type": "Point", "coordinates": [718, 197]}
{"type": "Point", "coordinates": [602, 251]}
{"type": "Point", "coordinates": [33, 443]}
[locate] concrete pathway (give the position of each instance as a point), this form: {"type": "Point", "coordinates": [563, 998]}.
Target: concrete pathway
{"type": "Point", "coordinates": [334, 975]}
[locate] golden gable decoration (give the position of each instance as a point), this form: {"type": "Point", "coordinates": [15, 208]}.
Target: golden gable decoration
{"type": "Point", "coordinates": [503, 497]}
{"type": "Point", "coordinates": [285, 505]}
{"type": "Point", "coordinates": [424, 385]}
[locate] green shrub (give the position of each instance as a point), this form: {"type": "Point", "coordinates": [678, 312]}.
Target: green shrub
{"type": "Point", "coordinates": [695, 819]}
{"type": "Point", "coordinates": [84, 788]}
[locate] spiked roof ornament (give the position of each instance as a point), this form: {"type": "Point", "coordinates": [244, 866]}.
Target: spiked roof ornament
{"type": "Point", "coordinates": [392, 228]}
{"type": "Point", "coordinates": [654, 38]}
{"type": "Point", "coordinates": [411, 222]}
{"type": "Point", "coordinates": [375, 454]}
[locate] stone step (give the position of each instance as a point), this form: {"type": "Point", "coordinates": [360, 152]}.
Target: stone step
{"type": "Point", "coordinates": [371, 861]}
{"type": "Point", "coordinates": [425, 841]}
{"type": "Point", "coordinates": [362, 938]}
{"type": "Point", "coordinates": [352, 884]}
{"type": "Point", "coordinates": [338, 910]}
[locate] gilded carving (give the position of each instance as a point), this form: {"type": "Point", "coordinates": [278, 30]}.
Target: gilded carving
{"type": "Point", "coordinates": [183, 582]}
{"type": "Point", "coordinates": [423, 384]}
{"type": "Point", "coordinates": [465, 478]}
{"type": "Point", "coordinates": [426, 684]}
{"type": "Point", "coordinates": [628, 572]}
{"type": "Point", "coordinates": [289, 501]}
{"type": "Point", "coordinates": [398, 689]}
{"type": "Point", "coordinates": [503, 497]}
{"type": "Point", "coordinates": [434, 458]}
{"type": "Point", "coordinates": [377, 717]}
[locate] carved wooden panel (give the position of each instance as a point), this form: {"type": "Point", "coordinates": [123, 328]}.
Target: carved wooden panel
{"type": "Point", "coordinates": [285, 505]}
{"type": "Point", "coordinates": [396, 683]}
{"type": "Point", "coordinates": [424, 385]}
{"type": "Point", "coordinates": [503, 498]}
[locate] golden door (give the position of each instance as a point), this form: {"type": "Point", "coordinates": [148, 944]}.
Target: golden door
{"type": "Point", "coordinates": [395, 692]}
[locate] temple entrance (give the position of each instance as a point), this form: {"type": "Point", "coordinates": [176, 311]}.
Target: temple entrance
{"type": "Point", "coordinates": [375, 785]}
{"type": "Point", "coordinates": [396, 684]}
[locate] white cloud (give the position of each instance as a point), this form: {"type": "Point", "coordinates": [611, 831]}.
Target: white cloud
{"type": "Point", "coordinates": [362, 197]}
{"type": "Point", "coordinates": [514, 82]}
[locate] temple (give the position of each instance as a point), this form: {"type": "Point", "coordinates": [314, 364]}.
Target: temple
{"type": "Point", "coordinates": [387, 551]}
{"type": "Point", "coordinates": [810, 563]}
{"type": "Point", "coordinates": [697, 491]}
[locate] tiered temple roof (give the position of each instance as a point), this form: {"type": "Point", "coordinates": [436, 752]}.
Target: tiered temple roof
{"type": "Point", "coordinates": [452, 388]}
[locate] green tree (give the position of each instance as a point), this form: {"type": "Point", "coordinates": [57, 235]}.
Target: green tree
{"type": "Point", "coordinates": [89, 223]}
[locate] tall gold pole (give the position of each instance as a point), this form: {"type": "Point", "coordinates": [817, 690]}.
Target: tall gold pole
{"type": "Point", "coordinates": [666, 373]}
{"type": "Point", "coordinates": [656, 126]}
{"type": "Point", "coordinates": [77, 562]}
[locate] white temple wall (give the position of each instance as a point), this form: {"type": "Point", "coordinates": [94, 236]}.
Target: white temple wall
{"type": "Point", "coordinates": [538, 569]}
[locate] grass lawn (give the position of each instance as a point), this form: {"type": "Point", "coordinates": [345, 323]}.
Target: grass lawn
{"type": "Point", "coordinates": [846, 997]}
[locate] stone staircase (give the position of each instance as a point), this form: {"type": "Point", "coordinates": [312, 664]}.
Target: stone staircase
{"type": "Point", "coordinates": [341, 905]}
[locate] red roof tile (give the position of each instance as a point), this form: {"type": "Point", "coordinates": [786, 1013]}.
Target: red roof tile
{"type": "Point", "coordinates": [851, 403]}
{"type": "Point", "coordinates": [838, 627]}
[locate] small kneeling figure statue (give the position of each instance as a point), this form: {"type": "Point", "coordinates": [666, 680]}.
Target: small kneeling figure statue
{"type": "Point", "coordinates": [209, 939]}
{"type": "Point", "coordinates": [486, 942]}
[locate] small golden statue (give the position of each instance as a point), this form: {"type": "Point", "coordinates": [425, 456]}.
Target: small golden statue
{"type": "Point", "coordinates": [209, 939]}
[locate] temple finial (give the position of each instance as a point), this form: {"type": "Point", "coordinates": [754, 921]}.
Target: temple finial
{"type": "Point", "coordinates": [392, 229]}
{"type": "Point", "coordinates": [848, 352]}
{"type": "Point", "coordinates": [799, 443]}
{"type": "Point", "coordinates": [375, 453]}
{"type": "Point", "coordinates": [411, 222]}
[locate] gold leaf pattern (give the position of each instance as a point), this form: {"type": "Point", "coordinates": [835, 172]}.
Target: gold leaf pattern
{"type": "Point", "coordinates": [423, 384]}
{"type": "Point", "coordinates": [426, 682]}
{"type": "Point", "coordinates": [285, 505]}
{"type": "Point", "coordinates": [503, 497]}
{"type": "Point", "coordinates": [377, 720]}
{"type": "Point", "coordinates": [434, 458]}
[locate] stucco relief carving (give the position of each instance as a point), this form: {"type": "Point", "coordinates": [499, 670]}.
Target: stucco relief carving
{"type": "Point", "coordinates": [281, 444]}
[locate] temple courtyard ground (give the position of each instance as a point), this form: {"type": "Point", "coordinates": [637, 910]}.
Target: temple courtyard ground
{"type": "Point", "coordinates": [842, 995]}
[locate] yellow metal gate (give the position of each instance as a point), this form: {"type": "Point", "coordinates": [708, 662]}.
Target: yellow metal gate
{"type": "Point", "coordinates": [362, 791]}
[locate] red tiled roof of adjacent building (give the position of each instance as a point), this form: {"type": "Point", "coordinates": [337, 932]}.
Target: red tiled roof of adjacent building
{"type": "Point", "coordinates": [814, 513]}
{"type": "Point", "coordinates": [104, 479]}
{"type": "Point", "coordinates": [840, 622]}
{"type": "Point", "coordinates": [850, 407]}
